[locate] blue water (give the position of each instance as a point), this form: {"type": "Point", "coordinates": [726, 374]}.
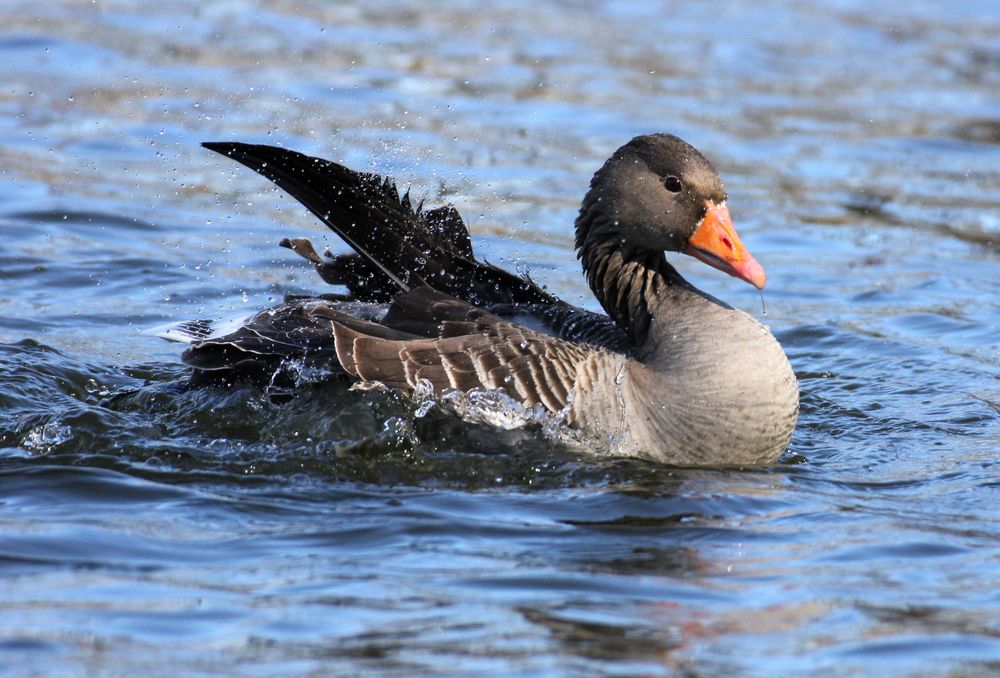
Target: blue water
{"type": "Point", "coordinates": [146, 529]}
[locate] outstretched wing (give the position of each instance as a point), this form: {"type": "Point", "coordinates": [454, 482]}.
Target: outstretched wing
{"type": "Point", "coordinates": [409, 246]}
{"type": "Point", "coordinates": [399, 247]}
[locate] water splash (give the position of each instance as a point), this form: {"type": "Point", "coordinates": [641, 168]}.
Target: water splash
{"type": "Point", "coordinates": [44, 438]}
{"type": "Point", "coordinates": [496, 409]}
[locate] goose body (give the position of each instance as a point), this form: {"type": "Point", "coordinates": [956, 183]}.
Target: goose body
{"type": "Point", "coordinates": [670, 373]}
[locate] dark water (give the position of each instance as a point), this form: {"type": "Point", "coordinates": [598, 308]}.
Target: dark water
{"type": "Point", "coordinates": [149, 530]}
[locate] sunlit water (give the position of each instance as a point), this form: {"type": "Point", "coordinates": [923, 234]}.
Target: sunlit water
{"type": "Point", "coordinates": [148, 529]}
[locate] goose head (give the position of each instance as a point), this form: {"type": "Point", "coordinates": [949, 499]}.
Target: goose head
{"type": "Point", "coordinates": [657, 192]}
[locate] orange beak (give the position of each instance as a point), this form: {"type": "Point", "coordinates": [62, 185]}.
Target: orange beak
{"type": "Point", "coordinates": [715, 242]}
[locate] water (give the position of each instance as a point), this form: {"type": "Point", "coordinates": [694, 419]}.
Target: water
{"type": "Point", "coordinates": [145, 529]}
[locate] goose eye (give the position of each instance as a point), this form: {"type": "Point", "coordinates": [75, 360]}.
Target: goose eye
{"type": "Point", "coordinates": [672, 184]}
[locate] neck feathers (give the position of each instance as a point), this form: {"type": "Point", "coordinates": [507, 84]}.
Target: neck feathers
{"type": "Point", "coordinates": [627, 280]}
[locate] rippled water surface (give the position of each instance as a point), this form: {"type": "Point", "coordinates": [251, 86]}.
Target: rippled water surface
{"type": "Point", "coordinates": [148, 529]}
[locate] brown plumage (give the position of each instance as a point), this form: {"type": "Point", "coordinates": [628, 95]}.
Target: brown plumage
{"type": "Point", "coordinates": [670, 373]}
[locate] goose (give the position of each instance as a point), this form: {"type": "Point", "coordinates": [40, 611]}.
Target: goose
{"type": "Point", "coordinates": [668, 372]}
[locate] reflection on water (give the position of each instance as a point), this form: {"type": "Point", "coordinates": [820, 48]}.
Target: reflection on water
{"type": "Point", "coordinates": [146, 524]}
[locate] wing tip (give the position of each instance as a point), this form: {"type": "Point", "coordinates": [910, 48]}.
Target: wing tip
{"type": "Point", "coordinates": [224, 147]}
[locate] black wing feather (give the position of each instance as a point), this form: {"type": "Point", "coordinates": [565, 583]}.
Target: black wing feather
{"type": "Point", "coordinates": [398, 248]}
